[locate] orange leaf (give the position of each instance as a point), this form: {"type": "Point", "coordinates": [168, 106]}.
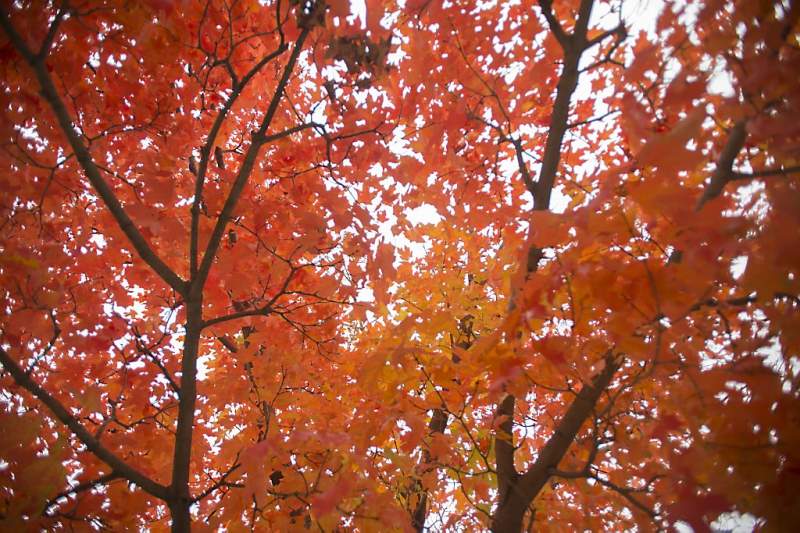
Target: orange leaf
{"type": "Point", "coordinates": [326, 502]}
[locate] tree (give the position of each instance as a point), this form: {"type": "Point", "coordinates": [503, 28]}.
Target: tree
{"type": "Point", "coordinates": [177, 246]}
{"type": "Point", "coordinates": [599, 332]}
{"type": "Point", "coordinates": [621, 355]}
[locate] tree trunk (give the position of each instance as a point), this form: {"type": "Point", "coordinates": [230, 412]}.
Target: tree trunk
{"type": "Point", "coordinates": [180, 501]}
{"type": "Point", "coordinates": [508, 517]}
{"type": "Point", "coordinates": [181, 518]}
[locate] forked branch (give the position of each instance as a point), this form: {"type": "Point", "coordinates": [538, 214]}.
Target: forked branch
{"type": "Point", "coordinates": [259, 138]}
{"type": "Point", "coordinates": [522, 489]}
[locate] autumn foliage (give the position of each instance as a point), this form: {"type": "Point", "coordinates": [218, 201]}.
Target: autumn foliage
{"type": "Point", "coordinates": [450, 266]}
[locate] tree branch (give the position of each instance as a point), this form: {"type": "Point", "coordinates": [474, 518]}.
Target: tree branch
{"type": "Point", "coordinates": [81, 487]}
{"type": "Point", "coordinates": [559, 120]}
{"type": "Point", "coordinates": [205, 153]}
{"type": "Point", "coordinates": [626, 493]}
{"type": "Point", "coordinates": [618, 30]}
{"type": "Point", "coordinates": [579, 410]}
{"type": "Point", "coordinates": [83, 156]}
{"type": "Point", "coordinates": [593, 119]}
{"type": "Point", "coordinates": [259, 311]}
{"type": "Point", "coordinates": [766, 173]}
{"type": "Point", "coordinates": [510, 511]}
{"type": "Point", "coordinates": [181, 499]}
{"type": "Point", "coordinates": [263, 310]}
{"type": "Point", "coordinates": [515, 492]}
{"type": "Point", "coordinates": [555, 25]}
{"type": "Point", "coordinates": [52, 32]}
{"type": "Point", "coordinates": [722, 174]}
{"type": "Point", "coordinates": [222, 481]}
{"type": "Point", "coordinates": [523, 168]}
{"type": "Point", "coordinates": [229, 344]}
{"type": "Point", "coordinates": [437, 424]}
{"type": "Point", "coordinates": [140, 346]}
{"type": "Point", "coordinates": [289, 131]}
{"type": "Point", "coordinates": [117, 465]}
{"type": "Point", "coordinates": [259, 138]}
{"type": "Point", "coordinates": [504, 449]}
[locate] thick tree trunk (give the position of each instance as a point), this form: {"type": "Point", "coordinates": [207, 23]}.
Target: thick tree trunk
{"type": "Point", "coordinates": [508, 517]}
{"type": "Point", "coordinates": [517, 490]}
{"type": "Point", "coordinates": [181, 518]}
{"type": "Point", "coordinates": [180, 500]}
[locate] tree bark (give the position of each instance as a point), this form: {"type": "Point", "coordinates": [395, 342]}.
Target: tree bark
{"type": "Point", "coordinates": [509, 515]}
{"type": "Point", "coordinates": [522, 489]}
{"type": "Point", "coordinates": [181, 517]}
{"type": "Point", "coordinates": [437, 424]}
{"type": "Point", "coordinates": [517, 490]}
{"type": "Point", "coordinates": [180, 499]}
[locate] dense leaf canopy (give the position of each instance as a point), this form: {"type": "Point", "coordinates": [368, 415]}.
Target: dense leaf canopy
{"type": "Point", "coordinates": [399, 265]}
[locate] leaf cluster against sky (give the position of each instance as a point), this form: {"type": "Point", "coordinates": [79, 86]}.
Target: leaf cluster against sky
{"type": "Point", "coordinates": [302, 265]}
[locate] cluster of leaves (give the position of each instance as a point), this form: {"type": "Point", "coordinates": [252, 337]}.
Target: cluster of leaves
{"type": "Point", "coordinates": [642, 268]}
{"type": "Point", "coordinates": [598, 328]}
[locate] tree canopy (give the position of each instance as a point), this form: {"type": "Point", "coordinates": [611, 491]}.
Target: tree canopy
{"type": "Point", "coordinates": [399, 265]}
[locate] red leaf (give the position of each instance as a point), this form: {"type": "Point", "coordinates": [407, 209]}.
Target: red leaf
{"type": "Point", "coordinates": [324, 503]}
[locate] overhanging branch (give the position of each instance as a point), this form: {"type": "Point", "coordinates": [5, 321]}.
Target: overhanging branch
{"type": "Point", "coordinates": [117, 465]}
{"type": "Point", "coordinates": [81, 487]}
{"type": "Point", "coordinates": [579, 410]}
{"type": "Point", "coordinates": [722, 173]}
{"type": "Point", "coordinates": [48, 90]}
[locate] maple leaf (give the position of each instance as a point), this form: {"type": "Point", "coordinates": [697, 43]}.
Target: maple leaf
{"type": "Point", "coordinates": [325, 502]}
